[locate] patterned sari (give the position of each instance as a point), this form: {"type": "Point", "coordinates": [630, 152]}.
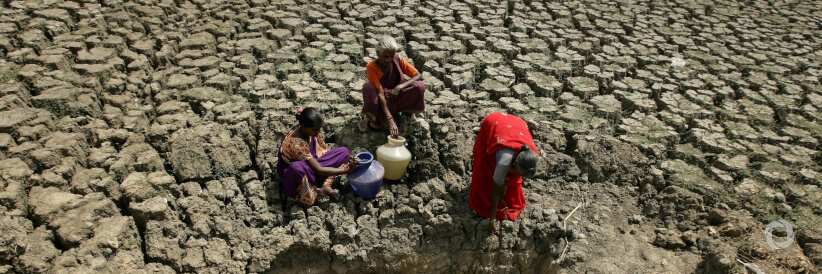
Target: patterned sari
{"type": "Point", "coordinates": [299, 180]}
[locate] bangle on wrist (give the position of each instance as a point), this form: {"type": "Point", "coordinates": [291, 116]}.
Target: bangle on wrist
{"type": "Point", "coordinates": [390, 118]}
{"type": "Point", "coordinates": [347, 169]}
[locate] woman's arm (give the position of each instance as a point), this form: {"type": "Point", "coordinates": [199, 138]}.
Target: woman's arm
{"type": "Point", "coordinates": [396, 90]}
{"type": "Point", "coordinates": [324, 171]}
{"type": "Point", "coordinates": [499, 191]}
{"type": "Point", "coordinates": [392, 127]}
{"type": "Point", "coordinates": [332, 171]}
{"type": "Point", "coordinates": [383, 103]}
{"type": "Point", "coordinates": [408, 69]}
{"type": "Point", "coordinates": [371, 71]}
{"type": "Point", "coordinates": [410, 81]}
{"type": "Point", "coordinates": [504, 159]}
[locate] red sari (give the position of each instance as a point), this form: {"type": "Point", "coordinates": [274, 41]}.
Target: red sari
{"type": "Point", "coordinates": [498, 131]}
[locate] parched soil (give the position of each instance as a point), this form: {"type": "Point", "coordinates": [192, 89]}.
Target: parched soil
{"type": "Point", "coordinates": [141, 136]}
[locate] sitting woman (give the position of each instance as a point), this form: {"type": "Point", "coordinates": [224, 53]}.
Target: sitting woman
{"type": "Point", "coordinates": [306, 165]}
{"type": "Point", "coordinates": [387, 91]}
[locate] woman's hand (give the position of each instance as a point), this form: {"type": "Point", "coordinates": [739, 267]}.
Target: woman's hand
{"type": "Point", "coordinates": [353, 163]}
{"type": "Point", "coordinates": [492, 228]}
{"type": "Point", "coordinates": [395, 92]}
{"type": "Point", "coordinates": [392, 128]}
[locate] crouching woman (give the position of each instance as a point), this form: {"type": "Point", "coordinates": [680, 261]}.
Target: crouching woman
{"type": "Point", "coordinates": [504, 154]}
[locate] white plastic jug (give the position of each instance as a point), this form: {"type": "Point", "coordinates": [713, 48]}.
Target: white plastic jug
{"type": "Point", "coordinates": [394, 157]}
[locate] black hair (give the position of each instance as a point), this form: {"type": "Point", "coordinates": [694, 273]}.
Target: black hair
{"type": "Point", "coordinates": [310, 117]}
{"type": "Point", "coordinates": [527, 161]}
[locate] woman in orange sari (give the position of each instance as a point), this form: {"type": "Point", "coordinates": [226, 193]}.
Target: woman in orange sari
{"type": "Point", "coordinates": [387, 91]}
{"type": "Point", "coordinates": [504, 153]}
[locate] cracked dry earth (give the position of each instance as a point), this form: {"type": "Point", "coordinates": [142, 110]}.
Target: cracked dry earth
{"type": "Point", "coordinates": [141, 136]}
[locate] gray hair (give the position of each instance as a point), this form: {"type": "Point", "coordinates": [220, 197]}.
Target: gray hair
{"type": "Point", "coordinates": [388, 43]}
{"type": "Point", "coordinates": [527, 162]}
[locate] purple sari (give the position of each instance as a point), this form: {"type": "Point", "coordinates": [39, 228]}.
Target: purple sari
{"type": "Point", "coordinates": [292, 174]}
{"type": "Point", "coordinates": [411, 99]}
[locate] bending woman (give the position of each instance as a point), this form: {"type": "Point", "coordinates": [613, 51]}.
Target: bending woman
{"type": "Point", "coordinates": [305, 163]}
{"type": "Point", "coordinates": [387, 91]}
{"type": "Point", "coordinates": [504, 153]}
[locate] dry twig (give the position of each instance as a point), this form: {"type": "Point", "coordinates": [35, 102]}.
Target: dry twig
{"type": "Point", "coordinates": [564, 221]}
{"type": "Point", "coordinates": [569, 214]}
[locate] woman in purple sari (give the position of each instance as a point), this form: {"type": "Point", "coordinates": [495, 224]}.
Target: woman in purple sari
{"type": "Point", "coordinates": [306, 165]}
{"type": "Point", "coordinates": [387, 91]}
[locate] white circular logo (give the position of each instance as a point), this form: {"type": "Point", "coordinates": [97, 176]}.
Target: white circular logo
{"type": "Point", "coordinates": [788, 234]}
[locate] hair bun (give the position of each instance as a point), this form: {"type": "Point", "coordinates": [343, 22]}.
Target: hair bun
{"type": "Point", "coordinates": [525, 148]}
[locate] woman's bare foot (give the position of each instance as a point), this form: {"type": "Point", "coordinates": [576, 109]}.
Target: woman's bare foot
{"type": "Point", "coordinates": [330, 192]}
{"type": "Point", "coordinates": [366, 124]}
{"type": "Point", "coordinates": [412, 119]}
{"type": "Point", "coordinates": [363, 125]}
{"type": "Point", "coordinates": [320, 196]}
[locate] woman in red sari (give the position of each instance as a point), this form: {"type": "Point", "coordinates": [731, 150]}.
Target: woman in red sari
{"type": "Point", "coordinates": [504, 153]}
{"type": "Point", "coordinates": [387, 91]}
